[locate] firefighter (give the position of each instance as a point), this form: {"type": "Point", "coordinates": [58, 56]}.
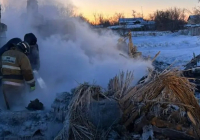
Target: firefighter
{"type": "Point", "coordinates": [8, 45]}
{"type": "Point", "coordinates": [33, 56]}
{"type": "Point", "coordinates": [16, 69]}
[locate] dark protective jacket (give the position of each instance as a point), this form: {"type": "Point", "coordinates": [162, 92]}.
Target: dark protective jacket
{"type": "Point", "coordinates": [15, 68]}
{"type": "Point", "coordinates": [30, 38]}
{"type": "Point", "coordinates": [33, 56]}
{"type": "Point", "coordinates": [9, 44]}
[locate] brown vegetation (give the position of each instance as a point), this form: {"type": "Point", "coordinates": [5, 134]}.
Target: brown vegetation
{"type": "Point", "coordinates": [171, 19]}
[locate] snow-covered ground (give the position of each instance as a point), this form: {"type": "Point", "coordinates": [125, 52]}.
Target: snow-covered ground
{"type": "Point", "coordinates": [90, 58]}
{"type": "Point", "coordinates": [173, 47]}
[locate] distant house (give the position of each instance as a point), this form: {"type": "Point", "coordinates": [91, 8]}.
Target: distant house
{"type": "Point", "coordinates": [133, 24]}
{"type": "Point", "coordinates": [128, 27]}
{"type": "Point", "coordinates": [194, 19]}
{"type": "Point", "coordinates": [193, 25]}
{"type": "Point", "coordinates": [130, 21]}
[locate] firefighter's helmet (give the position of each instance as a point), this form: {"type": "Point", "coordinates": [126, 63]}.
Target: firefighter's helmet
{"type": "Point", "coordinates": [24, 47]}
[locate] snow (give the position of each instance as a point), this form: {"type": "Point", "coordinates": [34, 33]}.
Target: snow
{"type": "Point", "coordinates": [174, 47]}
{"type": "Point", "coordinates": [32, 124]}
{"type": "Point", "coordinates": [126, 26]}
{"type": "Point", "coordinates": [90, 57]}
{"type": "Point", "coordinates": [150, 33]}
{"type": "Point", "coordinates": [192, 25]}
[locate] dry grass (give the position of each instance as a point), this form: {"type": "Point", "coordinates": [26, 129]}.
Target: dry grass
{"type": "Point", "coordinates": [81, 128]}
{"type": "Point", "coordinates": [167, 87]}
{"type": "Point", "coordinates": [77, 125]}
{"type": "Point", "coordinates": [120, 84]}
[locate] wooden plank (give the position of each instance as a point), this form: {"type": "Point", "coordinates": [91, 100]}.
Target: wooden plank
{"type": "Point", "coordinates": [130, 120]}
{"type": "Point", "coordinates": [128, 95]}
{"type": "Point", "coordinates": [174, 134]}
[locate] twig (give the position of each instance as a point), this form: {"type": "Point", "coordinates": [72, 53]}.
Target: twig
{"type": "Point", "coordinates": [155, 56]}
{"type": "Point", "coordinates": [123, 55]}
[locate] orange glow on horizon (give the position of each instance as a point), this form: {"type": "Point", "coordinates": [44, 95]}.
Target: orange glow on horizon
{"type": "Point", "coordinates": [108, 8]}
{"type": "Point", "coordinates": [90, 15]}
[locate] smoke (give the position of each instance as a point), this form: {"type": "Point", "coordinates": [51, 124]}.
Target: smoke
{"type": "Point", "coordinates": [65, 63]}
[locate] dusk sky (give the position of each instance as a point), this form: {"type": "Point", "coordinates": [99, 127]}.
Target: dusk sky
{"type": "Point", "coordinates": [109, 7]}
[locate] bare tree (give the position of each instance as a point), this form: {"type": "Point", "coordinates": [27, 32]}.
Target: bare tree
{"type": "Point", "coordinates": [120, 15]}
{"type": "Point", "coordinates": [115, 18]}
{"type": "Point", "coordinates": [170, 19]}
{"type": "Point", "coordinates": [134, 13]}
{"type": "Point", "coordinates": [151, 17]}
{"type": "Point", "coordinates": [82, 18]}
{"type": "Point", "coordinates": [68, 10]}
{"type": "Point", "coordinates": [100, 19]}
{"type": "Point", "coordinates": [196, 10]}
{"type": "Point", "coordinates": [95, 18]}
{"type": "Point", "coordinates": [139, 15]}
{"type": "Point", "coordinates": [183, 14]}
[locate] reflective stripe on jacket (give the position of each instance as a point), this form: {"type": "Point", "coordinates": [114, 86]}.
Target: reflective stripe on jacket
{"type": "Point", "coordinates": [15, 68]}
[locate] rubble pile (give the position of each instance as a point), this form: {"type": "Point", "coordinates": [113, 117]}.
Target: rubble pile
{"type": "Point", "coordinates": [90, 112]}
{"type": "Point", "coordinates": [35, 123]}
{"type": "Point", "coordinates": [163, 107]}
{"type": "Point", "coordinates": [166, 104]}
{"type": "Point", "coordinates": [193, 62]}
{"type": "Point", "coordinates": [23, 125]}
{"type": "Point", "coordinates": [59, 108]}
{"type": "Point", "coordinates": [160, 66]}
{"type": "Point", "coordinates": [192, 71]}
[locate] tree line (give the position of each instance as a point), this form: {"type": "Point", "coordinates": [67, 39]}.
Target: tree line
{"type": "Point", "coordinates": [170, 19]}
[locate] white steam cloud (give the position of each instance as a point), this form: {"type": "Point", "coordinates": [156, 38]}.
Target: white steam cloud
{"type": "Point", "coordinates": [65, 63]}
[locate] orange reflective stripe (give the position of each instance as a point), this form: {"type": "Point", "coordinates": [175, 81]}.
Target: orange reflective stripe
{"type": "Point", "coordinates": [12, 83]}
{"type": "Point", "coordinates": [11, 67]}
{"type": "Point", "coordinates": [31, 81]}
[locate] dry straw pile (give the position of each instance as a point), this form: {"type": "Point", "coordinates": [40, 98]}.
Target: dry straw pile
{"type": "Point", "coordinates": [77, 125]}
{"type": "Point", "coordinates": [150, 103]}
{"type": "Point", "coordinates": [164, 89]}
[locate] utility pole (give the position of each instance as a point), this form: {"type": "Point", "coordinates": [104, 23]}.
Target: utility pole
{"type": "Point", "coordinates": [32, 6]}
{"type": "Point", "coordinates": [142, 11]}
{"type": "Point", "coordinates": [0, 12]}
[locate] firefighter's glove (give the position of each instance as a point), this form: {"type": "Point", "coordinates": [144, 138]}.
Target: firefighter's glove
{"type": "Point", "coordinates": [32, 88]}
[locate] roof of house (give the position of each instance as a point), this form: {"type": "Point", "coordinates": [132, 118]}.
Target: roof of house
{"type": "Point", "coordinates": [126, 27]}
{"type": "Point", "coordinates": [193, 16]}
{"type": "Point", "coordinates": [192, 25]}
{"type": "Point", "coordinates": [126, 20]}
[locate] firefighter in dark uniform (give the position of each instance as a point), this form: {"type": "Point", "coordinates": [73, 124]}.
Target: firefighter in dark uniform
{"type": "Point", "coordinates": [16, 71]}
{"type": "Point", "coordinates": [33, 56]}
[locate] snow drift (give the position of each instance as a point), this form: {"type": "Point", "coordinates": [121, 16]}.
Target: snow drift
{"type": "Point", "coordinates": [66, 63]}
